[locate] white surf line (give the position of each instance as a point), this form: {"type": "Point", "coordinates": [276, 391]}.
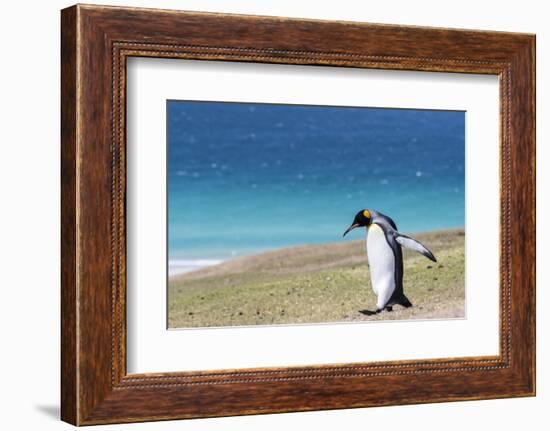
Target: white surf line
{"type": "Point", "coordinates": [182, 266]}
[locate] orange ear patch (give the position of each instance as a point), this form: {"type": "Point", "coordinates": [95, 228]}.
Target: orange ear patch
{"type": "Point", "coordinates": [366, 213]}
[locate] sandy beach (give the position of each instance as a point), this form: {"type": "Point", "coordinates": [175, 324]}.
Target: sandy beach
{"type": "Point", "coordinates": [315, 284]}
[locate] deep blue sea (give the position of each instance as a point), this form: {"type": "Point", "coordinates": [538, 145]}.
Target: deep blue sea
{"type": "Point", "coordinates": [243, 177]}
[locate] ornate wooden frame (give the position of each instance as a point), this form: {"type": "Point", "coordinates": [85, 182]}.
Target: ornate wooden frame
{"type": "Point", "coordinates": [95, 42]}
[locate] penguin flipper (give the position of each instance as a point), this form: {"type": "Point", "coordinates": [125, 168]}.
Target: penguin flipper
{"type": "Point", "coordinates": [411, 243]}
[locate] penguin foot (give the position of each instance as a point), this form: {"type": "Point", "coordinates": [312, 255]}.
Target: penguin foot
{"type": "Point", "coordinates": [389, 308]}
{"type": "Point", "coordinates": [405, 302]}
{"type": "Point", "coordinates": [369, 312]}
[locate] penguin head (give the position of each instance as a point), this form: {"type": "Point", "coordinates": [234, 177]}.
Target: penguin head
{"type": "Point", "coordinates": [362, 219]}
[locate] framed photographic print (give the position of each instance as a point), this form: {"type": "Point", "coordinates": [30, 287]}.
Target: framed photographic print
{"type": "Point", "coordinates": [265, 215]}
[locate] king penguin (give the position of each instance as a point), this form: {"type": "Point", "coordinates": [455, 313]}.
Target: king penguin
{"type": "Point", "coordinates": [385, 257]}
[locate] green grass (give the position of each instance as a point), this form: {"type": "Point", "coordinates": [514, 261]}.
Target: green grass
{"type": "Point", "coordinates": [317, 283]}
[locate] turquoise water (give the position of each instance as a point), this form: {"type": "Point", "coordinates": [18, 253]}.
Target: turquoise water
{"type": "Point", "coordinates": [243, 178]}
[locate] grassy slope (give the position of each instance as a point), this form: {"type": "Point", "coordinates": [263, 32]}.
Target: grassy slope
{"type": "Point", "coordinates": [317, 283]}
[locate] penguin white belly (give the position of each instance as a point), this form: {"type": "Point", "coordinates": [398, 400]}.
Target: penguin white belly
{"type": "Point", "coordinates": [382, 265]}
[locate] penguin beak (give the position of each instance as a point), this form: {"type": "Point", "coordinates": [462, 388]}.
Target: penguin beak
{"type": "Point", "coordinates": [353, 226]}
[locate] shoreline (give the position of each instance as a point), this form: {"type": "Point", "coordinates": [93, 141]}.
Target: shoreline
{"type": "Point", "coordinates": [179, 267]}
